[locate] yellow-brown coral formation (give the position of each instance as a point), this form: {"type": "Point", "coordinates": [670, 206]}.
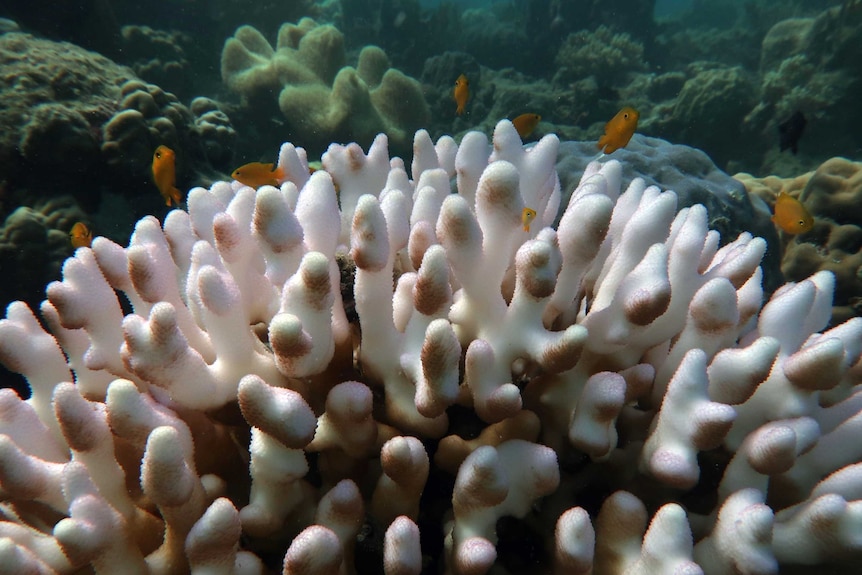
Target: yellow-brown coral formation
{"type": "Point", "coordinates": [835, 190]}
{"type": "Point", "coordinates": [322, 99]}
{"type": "Point", "coordinates": [833, 195]}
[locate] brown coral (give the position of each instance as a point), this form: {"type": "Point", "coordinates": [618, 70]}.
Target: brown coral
{"type": "Point", "coordinates": [833, 195]}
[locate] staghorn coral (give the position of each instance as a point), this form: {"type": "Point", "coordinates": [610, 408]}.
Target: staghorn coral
{"type": "Point", "coordinates": [602, 359]}
{"type": "Point", "coordinates": [321, 98]}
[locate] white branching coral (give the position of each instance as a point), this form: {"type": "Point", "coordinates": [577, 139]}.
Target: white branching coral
{"type": "Point", "coordinates": [311, 373]}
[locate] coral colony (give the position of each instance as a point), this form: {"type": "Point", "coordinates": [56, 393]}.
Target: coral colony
{"type": "Point", "coordinates": [616, 384]}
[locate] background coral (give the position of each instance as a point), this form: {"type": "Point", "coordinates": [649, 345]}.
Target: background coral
{"type": "Point", "coordinates": [147, 117]}
{"type": "Point", "coordinates": [833, 195]}
{"type": "Point", "coordinates": [71, 115]}
{"type": "Point", "coordinates": [77, 124]}
{"type": "Point", "coordinates": [321, 99]}
{"type": "Point", "coordinates": [56, 96]}
{"type": "Point", "coordinates": [34, 242]}
{"type": "Point", "coordinates": [809, 64]}
{"type": "Point", "coordinates": [606, 55]}
{"type": "Point", "coordinates": [713, 98]}
{"type": "Point", "coordinates": [162, 57]}
{"type": "Point", "coordinates": [795, 54]}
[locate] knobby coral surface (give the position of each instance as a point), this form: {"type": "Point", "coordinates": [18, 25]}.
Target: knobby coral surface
{"type": "Point", "coordinates": [833, 195]}
{"type": "Point", "coordinates": [253, 410]}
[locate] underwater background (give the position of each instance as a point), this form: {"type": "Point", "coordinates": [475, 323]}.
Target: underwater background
{"type": "Point", "coordinates": [768, 90]}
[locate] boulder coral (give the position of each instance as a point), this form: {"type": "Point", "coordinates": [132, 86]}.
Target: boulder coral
{"type": "Point", "coordinates": [321, 98]}
{"type": "Point", "coordinates": [148, 117]}
{"type": "Point", "coordinates": [56, 96]}
{"type": "Point", "coordinates": [68, 113]}
{"type": "Point", "coordinates": [34, 242]}
{"type": "Point", "coordinates": [833, 195]}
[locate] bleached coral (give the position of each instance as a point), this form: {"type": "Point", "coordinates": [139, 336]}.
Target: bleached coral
{"type": "Point", "coordinates": [239, 413]}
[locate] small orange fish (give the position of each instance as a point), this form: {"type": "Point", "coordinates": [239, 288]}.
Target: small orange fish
{"type": "Point", "coordinates": [165, 175]}
{"type": "Point", "coordinates": [527, 217]}
{"type": "Point", "coordinates": [257, 174]}
{"type": "Point", "coordinates": [619, 130]}
{"type": "Point", "coordinates": [461, 93]}
{"type": "Point", "coordinates": [791, 216]}
{"type": "Point", "coordinates": [526, 123]}
{"type": "Point", "coordinates": [80, 236]}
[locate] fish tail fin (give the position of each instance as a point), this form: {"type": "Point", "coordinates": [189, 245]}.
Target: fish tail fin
{"type": "Point", "coordinates": [602, 143]}
{"type": "Point", "coordinates": [174, 197]}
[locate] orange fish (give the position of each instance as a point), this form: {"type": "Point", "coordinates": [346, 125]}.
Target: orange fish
{"type": "Point", "coordinates": [526, 123]}
{"type": "Point", "coordinates": [791, 216]}
{"type": "Point", "coordinates": [527, 217]}
{"type": "Point", "coordinates": [619, 130]}
{"type": "Point", "coordinates": [461, 93]}
{"type": "Point", "coordinates": [257, 174]}
{"type": "Point", "coordinates": [165, 175]}
{"type": "Point", "coordinates": [80, 236]}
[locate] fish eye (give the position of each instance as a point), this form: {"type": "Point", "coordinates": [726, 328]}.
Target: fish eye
{"type": "Point", "coordinates": [801, 222]}
{"type": "Point", "coordinates": [158, 155]}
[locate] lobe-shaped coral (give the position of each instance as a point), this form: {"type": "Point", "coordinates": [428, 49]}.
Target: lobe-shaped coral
{"type": "Point", "coordinates": [322, 99]}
